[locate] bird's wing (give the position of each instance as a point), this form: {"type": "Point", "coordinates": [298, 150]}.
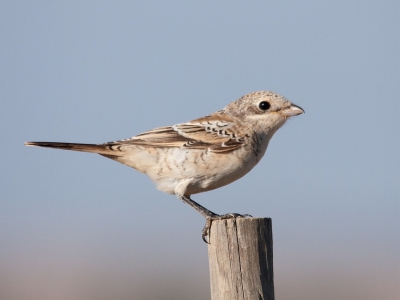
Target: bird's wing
{"type": "Point", "coordinates": [216, 133]}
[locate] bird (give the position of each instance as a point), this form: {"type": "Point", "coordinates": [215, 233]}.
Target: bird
{"type": "Point", "coordinates": [200, 155]}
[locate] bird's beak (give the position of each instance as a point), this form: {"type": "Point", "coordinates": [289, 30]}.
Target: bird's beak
{"type": "Point", "coordinates": [292, 110]}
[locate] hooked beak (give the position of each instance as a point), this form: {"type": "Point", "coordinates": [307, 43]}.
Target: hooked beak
{"type": "Point", "coordinates": [292, 110]}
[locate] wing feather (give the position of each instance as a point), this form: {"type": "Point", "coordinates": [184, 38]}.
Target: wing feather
{"type": "Point", "coordinates": [216, 133]}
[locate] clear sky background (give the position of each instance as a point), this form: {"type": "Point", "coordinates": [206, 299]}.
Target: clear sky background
{"type": "Point", "coordinates": [79, 226]}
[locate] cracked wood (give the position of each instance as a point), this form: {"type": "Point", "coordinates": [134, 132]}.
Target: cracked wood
{"type": "Point", "coordinates": [240, 258]}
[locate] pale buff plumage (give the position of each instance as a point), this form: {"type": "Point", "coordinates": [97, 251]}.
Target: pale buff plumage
{"type": "Point", "coordinates": [203, 154]}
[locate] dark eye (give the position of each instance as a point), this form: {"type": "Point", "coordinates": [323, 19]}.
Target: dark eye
{"type": "Point", "coordinates": [264, 105]}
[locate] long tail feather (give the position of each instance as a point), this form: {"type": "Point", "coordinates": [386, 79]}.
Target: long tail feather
{"type": "Point", "coordinates": [100, 149]}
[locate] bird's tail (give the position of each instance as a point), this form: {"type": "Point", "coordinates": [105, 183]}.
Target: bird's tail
{"type": "Point", "coordinates": [103, 149]}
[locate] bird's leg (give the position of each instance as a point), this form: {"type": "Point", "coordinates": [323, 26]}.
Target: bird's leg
{"type": "Point", "coordinates": [209, 215]}
{"type": "Point", "coordinates": [200, 209]}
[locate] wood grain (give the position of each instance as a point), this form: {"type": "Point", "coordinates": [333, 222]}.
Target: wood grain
{"type": "Point", "coordinates": [241, 260]}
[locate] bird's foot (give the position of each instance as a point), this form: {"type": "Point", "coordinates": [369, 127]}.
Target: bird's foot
{"type": "Point", "coordinates": [214, 217]}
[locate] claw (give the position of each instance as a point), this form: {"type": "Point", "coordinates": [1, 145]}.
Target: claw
{"type": "Point", "coordinates": [206, 230]}
{"type": "Point", "coordinates": [207, 227]}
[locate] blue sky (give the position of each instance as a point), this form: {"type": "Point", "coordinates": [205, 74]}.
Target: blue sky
{"type": "Point", "coordinates": [76, 225]}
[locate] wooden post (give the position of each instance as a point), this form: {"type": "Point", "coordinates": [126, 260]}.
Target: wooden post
{"type": "Point", "coordinates": [240, 258]}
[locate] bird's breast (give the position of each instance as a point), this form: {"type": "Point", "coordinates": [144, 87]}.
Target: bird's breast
{"type": "Point", "coordinates": [209, 170]}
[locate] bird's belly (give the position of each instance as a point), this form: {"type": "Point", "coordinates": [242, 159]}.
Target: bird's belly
{"type": "Point", "coordinates": [208, 170]}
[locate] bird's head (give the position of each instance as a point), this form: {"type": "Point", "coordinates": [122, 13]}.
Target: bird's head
{"type": "Point", "coordinates": [266, 110]}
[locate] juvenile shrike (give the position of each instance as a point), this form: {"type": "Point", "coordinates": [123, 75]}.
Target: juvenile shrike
{"type": "Point", "coordinates": [203, 154]}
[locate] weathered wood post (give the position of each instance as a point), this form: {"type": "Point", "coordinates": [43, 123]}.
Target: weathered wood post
{"type": "Point", "coordinates": [240, 258]}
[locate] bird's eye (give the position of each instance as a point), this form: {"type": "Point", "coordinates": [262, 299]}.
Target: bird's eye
{"type": "Point", "coordinates": [264, 105]}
